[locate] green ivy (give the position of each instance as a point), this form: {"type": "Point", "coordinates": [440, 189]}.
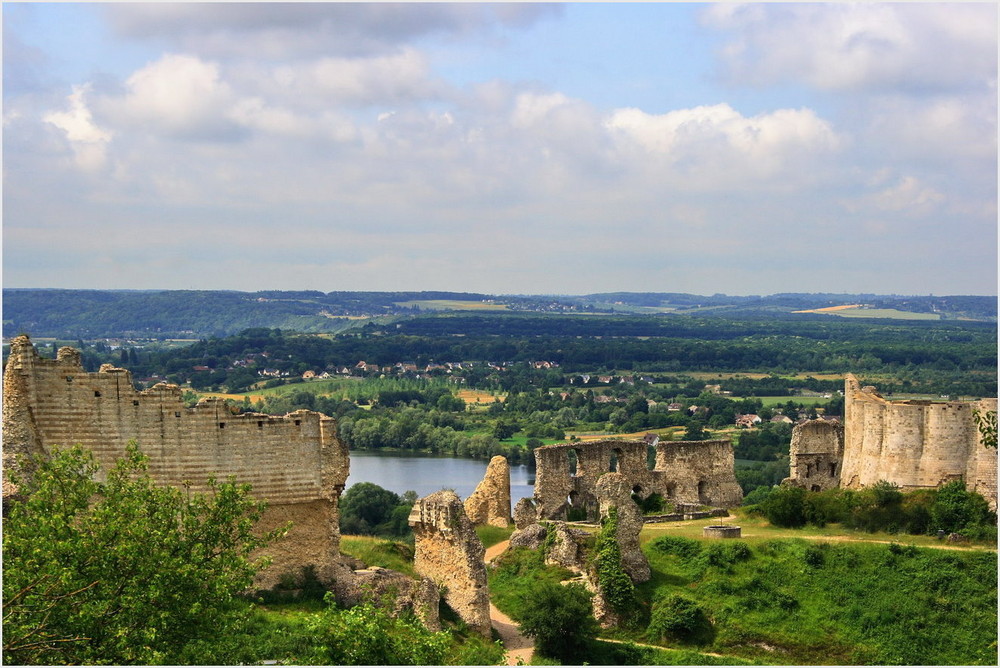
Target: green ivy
{"type": "Point", "coordinates": [614, 582]}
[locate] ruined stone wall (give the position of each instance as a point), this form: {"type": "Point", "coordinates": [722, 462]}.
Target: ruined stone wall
{"type": "Point", "coordinates": [700, 472]}
{"type": "Point", "coordinates": [448, 551]}
{"type": "Point", "coordinates": [490, 502]}
{"type": "Point", "coordinates": [296, 462]}
{"type": "Point", "coordinates": [915, 444]}
{"type": "Point", "coordinates": [816, 455]}
{"type": "Point", "coordinates": [557, 489]}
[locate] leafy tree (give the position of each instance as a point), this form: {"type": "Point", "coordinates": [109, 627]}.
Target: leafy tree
{"type": "Point", "coordinates": [559, 618]}
{"type": "Point", "coordinates": [123, 571]}
{"type": "Point", "coordinates": [785, 506]}
{"type": "Point", "coordinates": [675, 617]}
{"type": "Point", "coordinates": [368, 509]}
{"type": "Point", "coordinates": [956, 509]}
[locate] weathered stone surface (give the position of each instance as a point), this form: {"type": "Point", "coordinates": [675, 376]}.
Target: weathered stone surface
{"type": "Point", "coordinates": [816, 455]}
{"type": "Point", "coordinates": [567, 548]}
{"type": "Point", "coordinates": [697, 472]}
{"type": "Point", "coordinates": [614, 491]}
{"type": "Point", "coordinates": [396, 591]}
{"type": "Point", "coordinates": [296, 462]}
{"type": "Point", "coordinates": [490, 503]}
{"type": "Point", "coordinates": [524, 513]}
{"type": "Point", "coordinates": [448, 551]}
{"type": "Point", "coordinates": [530, 536]}
{"type": "Point", "coordinates": [914, 444]}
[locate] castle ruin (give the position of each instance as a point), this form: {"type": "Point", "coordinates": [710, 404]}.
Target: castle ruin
{"type": "Point", "coordinates": [690, 472]}
{"type": "Point", "coordinates": [296, 462]}
{"type": "Point", "coordinates": [916, 444]}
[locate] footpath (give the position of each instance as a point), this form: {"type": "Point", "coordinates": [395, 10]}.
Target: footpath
{"type": "Point", "coordinates": [520, 648]}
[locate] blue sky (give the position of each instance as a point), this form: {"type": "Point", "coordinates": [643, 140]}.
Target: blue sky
{"type": "Point", "coordinates": [510, 148]}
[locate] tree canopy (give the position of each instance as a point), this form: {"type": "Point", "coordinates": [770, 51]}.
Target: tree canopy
{"type": "Point", "coordinates": [123, 571]}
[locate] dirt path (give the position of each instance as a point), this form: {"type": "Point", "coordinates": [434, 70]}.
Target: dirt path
{"type": "Point", "coordinates": [520, 648]}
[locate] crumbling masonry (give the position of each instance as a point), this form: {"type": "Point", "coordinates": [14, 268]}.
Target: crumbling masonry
{"type": "Point", "coordinates": [914, 444]}
{"type": "Point", "coordinates": [448, 551]}
{"type": "Point", "coordinates": [296, 462]}
{"type": "Point", "coordinates": [690, 472]}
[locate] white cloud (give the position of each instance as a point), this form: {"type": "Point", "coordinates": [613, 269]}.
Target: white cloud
{"type": "Point", "coordinates": [860, 46]}
{"type": "Point", "coordinates": [718, 139]}
{"type": "Point", "coordinates": [88, 141]}
{"type": "Point", "coordinates": [178, 95]}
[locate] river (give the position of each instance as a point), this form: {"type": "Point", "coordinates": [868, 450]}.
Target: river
{"type": "Point", "coordinates": [426, 474]}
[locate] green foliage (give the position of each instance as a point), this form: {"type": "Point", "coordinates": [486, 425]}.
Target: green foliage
{"type": "Point", "coordinates": [828, 603]}
{"type": "Point", "coordinates": [615, 584]}
{"type": "Point", "coordinates": [785, 506]}
{"type": "Point", "coordinates": [685, 548]}
{"type": "Point", "coordinates": [986, 422]}
{"type": "Point", "coordinates": [367, 509]}
{"type": "Point", "coordinates": [955, 509]}
{"type": "Point", "coordinates": [122, 571]}
{"type": "Point", "coordinates": [369, 635]}
{"type": "Point", "coordinates": [517, 573]}
{"type": "Point", "coordinates": [676, 617]}
{"type": "Point", "coordinates": [559, 618]}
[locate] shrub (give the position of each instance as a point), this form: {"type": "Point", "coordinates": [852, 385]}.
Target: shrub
{"type": "Point", "coordinates": [559, 618]}
{"type": "Point", "coordinates": [785, 507]}
{"type": "Point", "coordinates": [675, 617]}
{"type": "Point", "coordinates": [685, 548]}
{"type": "Point", "coordinates": [956, 509]}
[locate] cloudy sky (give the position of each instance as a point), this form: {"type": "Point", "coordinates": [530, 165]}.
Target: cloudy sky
{"type": "Point", "coordinates": [509, 148]}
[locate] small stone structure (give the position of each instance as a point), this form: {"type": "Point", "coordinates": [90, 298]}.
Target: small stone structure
{"type": "Point", "coordinates": [402, 593]}
{"type": "Point", "coordinates": [525, 513]}
{"type": "Point", "coordinates": [915, 444]}
{"type": "Point", "coordinates": [296, 462]}
{"type": "Point", "coordinates": [448, 551]}
{"type": "Point", "coordinates": [490, 502]}
{"type": "Point", "coordinates": [694, 472]}
{"type": "Point", "coordinates": [567, 548]}
{"type": "Point", "coordinates": [816, 455]}
{"type": "Point", "coordinates": [722, 531]}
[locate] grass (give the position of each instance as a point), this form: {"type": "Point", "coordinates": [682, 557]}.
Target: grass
{"type": "Point", "coordinates": [373, 551]}
{"type": "Point", "coordinates": [757, 530]}
{"type": "Point", "coordinates": [491, 535]}
{"type": "Point", "coordinates": [791, 601]}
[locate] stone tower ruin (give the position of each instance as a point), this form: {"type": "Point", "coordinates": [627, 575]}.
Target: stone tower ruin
{"type": "Point", "coordinates": [296, 462]}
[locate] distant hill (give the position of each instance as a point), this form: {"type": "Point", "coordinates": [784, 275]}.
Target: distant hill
{"type": "Point", "coordinates": [88, 314]}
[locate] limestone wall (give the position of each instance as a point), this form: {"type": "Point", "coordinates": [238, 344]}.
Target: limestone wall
{"type": "Point", "coordinates": [490, 502]}
{"type": "Point", "coordinates": [915, 444]}
{"type": "Point", "coordinates": [699, 472]}
{"type": "Point", "coordinates": [296, 462]}
{"type": "Point", "coordinates": [448, 551]}
{"type": "Point", "coordinates": [816, 455]}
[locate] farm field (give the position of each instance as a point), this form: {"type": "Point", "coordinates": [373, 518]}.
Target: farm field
{"type": "Point", "coordinates": [452, 305]}
{"type": "Point", "coordinates": [858, 311]}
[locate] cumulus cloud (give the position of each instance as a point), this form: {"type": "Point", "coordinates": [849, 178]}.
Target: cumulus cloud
{"type": "Point", "coordinates": [712, 141]}
{"type": "Point", "coordinates": [179, 95]}
{"type": "Point", "coordinates": [88, 141]}
{"type": "Point", "coordinates": [860, 46]}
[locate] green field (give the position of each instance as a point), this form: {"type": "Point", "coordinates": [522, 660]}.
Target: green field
{"type": "Point", "coordinates": [452, 305]}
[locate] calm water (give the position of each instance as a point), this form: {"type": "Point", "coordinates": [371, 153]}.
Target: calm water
{"type": "Point", "coordinates": [426, 474]}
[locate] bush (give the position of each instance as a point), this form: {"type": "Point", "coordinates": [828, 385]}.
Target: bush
{"type": "Point", "coordinates": [957, 510]}
{"type": "Point", "coordinates": [559, 618]}
{"type": "Point", "coordinates": [685, 548]}
{"type": "Point", "coordinates": [675, 617]}
{"type": "Point", "coordinates": [785, 507]}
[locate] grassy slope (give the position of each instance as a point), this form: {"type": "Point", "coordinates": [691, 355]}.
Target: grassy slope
{"type": "Point", "coordinates": [866, 599]}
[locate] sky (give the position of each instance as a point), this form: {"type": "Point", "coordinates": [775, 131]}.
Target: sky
{"type": "Point", "coordinates": [510, 148]}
